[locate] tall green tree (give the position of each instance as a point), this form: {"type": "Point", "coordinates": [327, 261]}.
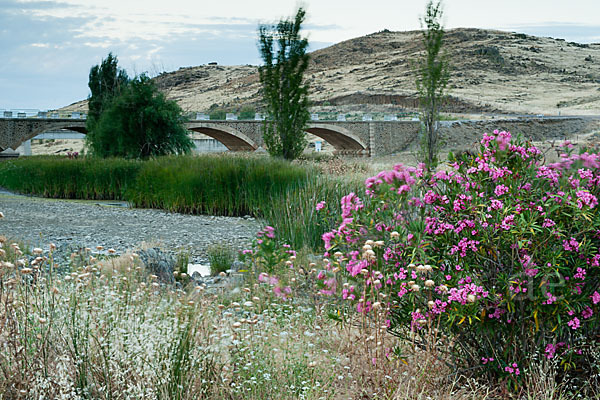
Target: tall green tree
{"type": "Point", "coordinates": [140, 123]}
{"type": "Point", "coordinates": [285, 93]}
{"type": "Point", "coordinates": [106, 81]}
{"type": "Point", "coordinates": [432, 78]}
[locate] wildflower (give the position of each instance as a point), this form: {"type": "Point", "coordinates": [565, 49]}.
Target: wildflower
{"type": "Point", "coordinates": [415, 288]}
{"type": "Point", "coordinates": [111, 251]}
{"type": "Point", "coordinates": [26, 271]}
{"type": "Point", "coordinates": [248, 304]}
{"type": "Point", "coordinates": [236, 325]}
{"type": "Point", "coordinates": [37, 250]}
{"type": "Point", "coordinates": [99, 248]}
{"type": "Point", "coordinates": [320, 205]}
{"type": "Point", "coordinates": [429, 283]}
{"type": "Point", "coordinates": [394, 235]}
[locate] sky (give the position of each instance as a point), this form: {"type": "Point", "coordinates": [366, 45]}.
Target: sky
{"type": "Point", "coordinates": [48, 46]}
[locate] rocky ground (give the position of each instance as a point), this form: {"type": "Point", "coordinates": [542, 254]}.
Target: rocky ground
{"type": "Point", "coordinates": [75, 224]}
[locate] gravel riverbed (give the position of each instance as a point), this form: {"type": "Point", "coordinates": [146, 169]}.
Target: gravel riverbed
{"type": "Point", "coordinates": [72, 224]}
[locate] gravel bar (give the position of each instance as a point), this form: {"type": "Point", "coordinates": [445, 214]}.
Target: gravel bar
{"type": "Point", "coordinates": [72, 224]}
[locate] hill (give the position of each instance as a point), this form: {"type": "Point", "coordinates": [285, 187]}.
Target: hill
{"type": "Point", "coordinates": [492, 72]}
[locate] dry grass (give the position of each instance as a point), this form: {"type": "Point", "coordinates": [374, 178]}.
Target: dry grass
{"type": "Point", "coordinates": [109, 330]}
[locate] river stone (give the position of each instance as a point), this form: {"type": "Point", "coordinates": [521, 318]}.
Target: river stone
{"type": "Point", "coordinates": [159, 263]}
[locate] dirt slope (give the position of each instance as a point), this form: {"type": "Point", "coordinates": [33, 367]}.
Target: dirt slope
{"type": "Point", "coordinates": [492, 71]}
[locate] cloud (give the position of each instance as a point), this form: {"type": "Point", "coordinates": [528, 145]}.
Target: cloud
{"type": "Point", "coordinates": [49, 47]}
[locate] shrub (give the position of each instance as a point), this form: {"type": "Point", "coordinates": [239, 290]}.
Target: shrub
{"type": "Point", "coordinates": [247, 113]}
{"type": "Point", "coordinates": [220, 257]}
{"type": "Point", "coordinates": [218, 114]}
{"type": "Point", "coordinates": [500, 254]}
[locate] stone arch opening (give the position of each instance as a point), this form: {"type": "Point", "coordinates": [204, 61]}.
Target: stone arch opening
{"type": "Point", "coordinates": [340, 138]}
{"type": "Point", "coordinates": [231, 138]}
{"type": "Point", "coordinates": [66, 127]}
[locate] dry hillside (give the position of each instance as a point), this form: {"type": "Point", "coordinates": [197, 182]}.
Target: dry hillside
{"type": "Point", "coordinates": [492, 71]}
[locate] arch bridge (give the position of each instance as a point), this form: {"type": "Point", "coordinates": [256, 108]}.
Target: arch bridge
{"type": "Point", "coordinates": [361, 138]}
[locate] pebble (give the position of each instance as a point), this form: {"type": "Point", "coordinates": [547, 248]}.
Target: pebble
{"type": "Point", "coordinates": [73, 224]}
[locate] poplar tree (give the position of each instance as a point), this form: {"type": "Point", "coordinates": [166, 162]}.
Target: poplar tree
{"type": "Point", "coordinates": [285, 94]}
{"type": "Point", "coordinates": [432, 78]}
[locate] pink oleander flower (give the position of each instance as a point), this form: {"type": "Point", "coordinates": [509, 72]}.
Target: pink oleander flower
{"type": "Point", "coordinates": [574, 323]}
{"type": "Point", "coordinates": [571, 245]}
{"type": "Point", "coordinates": [586, 198]}
{"type": "Point", "coordinates": [500, 190]}
{"type": "Point", "coordinates": [320, 205]}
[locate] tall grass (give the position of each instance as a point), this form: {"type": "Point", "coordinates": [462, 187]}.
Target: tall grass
{"type": "Point", "coordinates": [59, 177]}
{"type": "Point", "coordinates": [294, 215]}
{"type": "Point", "coordinates": [216, 185]}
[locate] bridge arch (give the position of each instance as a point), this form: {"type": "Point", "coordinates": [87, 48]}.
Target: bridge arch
{"type": "Point", "coordinates": [78, 127]}
{"type": "Point", "coordinates": [231, 138]}
{"type": "Point", "coordinates": [340, 138]}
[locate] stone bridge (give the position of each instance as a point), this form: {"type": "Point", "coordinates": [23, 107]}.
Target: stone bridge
{"type": "Point", "coordinates": [366, 138]}
{"type": "Point", "coordinates": [347, 137]}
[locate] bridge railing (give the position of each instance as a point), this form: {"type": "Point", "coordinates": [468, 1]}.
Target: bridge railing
{"type": "Point", "coordinates": [40, 114]}
{"type": "Point", "coordinates": [316, 116]}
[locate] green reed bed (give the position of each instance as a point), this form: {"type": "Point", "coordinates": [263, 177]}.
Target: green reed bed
{"type": "Point", "coordinates": [59, 177]}
{"type": "Point", "coordinates": [217, 185]}
{"type": "Point", "coordinates": [284, 194]}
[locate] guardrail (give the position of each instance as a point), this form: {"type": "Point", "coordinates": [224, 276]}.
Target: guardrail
{"type": "Point", "coordinates": [320, 116]}
{"type": "Point", "coordinates": [28, 113]}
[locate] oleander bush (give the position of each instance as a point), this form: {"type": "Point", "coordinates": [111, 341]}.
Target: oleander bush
{"type": "Point", "coordinates": [495, 261]}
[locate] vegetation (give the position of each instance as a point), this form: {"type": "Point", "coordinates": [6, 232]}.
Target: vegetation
{"type": "Point", "coordinates": [106, 81]}
{"type": "Point", "coordinates": [213, 184]}
{"type": "Point", "coordinates": [478, 282]}
{"type": "Point", "coordinates": [495, 262]}
{"type": "Point", "coordinates": [285, 94]}
{"type": "Point", "coordinates": [140, 123]}
{"type": "Point", "coordinates": [70, 178]}
{"type": "Point", "coordinates": [432, 78]}
{"type": "Point", "coordinates": [217, 114]}
{"type": "Point", "coordinates": [221, 257]}
{"type": "Point", "coordinates": [247, 112]}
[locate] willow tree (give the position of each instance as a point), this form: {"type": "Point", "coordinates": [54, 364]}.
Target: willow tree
{"type": "Point", "coordinates": [432, 78]}
{"type": "Point", "coordinates": [285, 93]}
